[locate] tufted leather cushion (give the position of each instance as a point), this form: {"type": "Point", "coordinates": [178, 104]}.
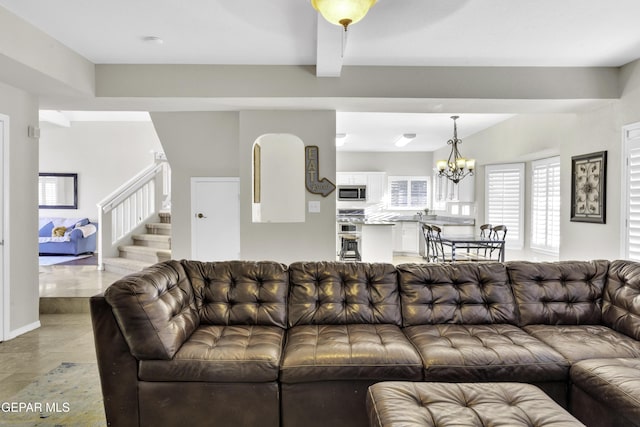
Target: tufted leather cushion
{"type": "Point", "coordinates": [155, 309]}
{"type": "Point", "coordinates": [222, 354]}
{"type": "Point", "coordinates": [443, 404]}
{"type": "Point", "coordinates": [348, 352]}
{"type": "Point", "coordinates": [613, 382]}
{"type": "Point", "coordinates": [240, 292]}
{"type": "Point", "coordinates": [455, 293]}
{"type": "Point", "coordinates": [485, 353]}
{"type": "Point", "coordinates": [578, 342]}
{"type": "Point", "coordinates": [621, 305]}
{"type": "Point", "coordinates": [335, 293]}
{"type": "Point", "coordinates": [567, 293]}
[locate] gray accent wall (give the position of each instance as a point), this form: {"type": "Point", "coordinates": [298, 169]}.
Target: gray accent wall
{"type": "Point", "coordinates": [314, 239]}
{"type": "Point", "coordinates": [197, 144]}
{"type": "Point", "coordinates": [21, 209]}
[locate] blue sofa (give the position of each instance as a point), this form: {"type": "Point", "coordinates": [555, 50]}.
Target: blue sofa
{"type": "Point", "coordinates": [79, 236]}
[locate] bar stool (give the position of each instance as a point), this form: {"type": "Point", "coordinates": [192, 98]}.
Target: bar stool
{"type": "Point", "coordinates": [349, 248]}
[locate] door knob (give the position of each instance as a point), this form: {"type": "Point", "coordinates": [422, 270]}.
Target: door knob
{"type": "Point", "coordinates": [200, 215]}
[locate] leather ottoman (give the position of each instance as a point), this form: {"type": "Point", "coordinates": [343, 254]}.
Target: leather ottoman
{"type": "Point", "coordinates": [407, 404]}
{"type": "Point", "coordinates": [606, 392]}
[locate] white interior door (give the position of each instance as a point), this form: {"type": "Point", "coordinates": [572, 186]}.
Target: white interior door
{"type": "Point", "coordinates": [4, 294]}
{"type": "Point", "coordinates": [215, 219]}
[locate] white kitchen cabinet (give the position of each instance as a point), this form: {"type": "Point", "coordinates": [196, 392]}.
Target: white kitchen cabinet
{"type": "Point", "coordinates": [406, 237]}
{"type": "Point", "coordinates": [376, 183]}
{"type": "Point", "coordinates": [447, 191]}
{"type": "Point", "coordinates": [467, 189]}
{"type": "Point", "coordinates": [351, 178]}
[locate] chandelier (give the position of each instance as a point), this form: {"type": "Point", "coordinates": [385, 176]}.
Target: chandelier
{"type": "Point", "coordinates": [343, 12]}
{"type": "Point", "coordinates": [456, 167]}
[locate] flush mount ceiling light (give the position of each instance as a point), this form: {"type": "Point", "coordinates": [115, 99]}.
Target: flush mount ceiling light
{"type": "Point", "coordinates": [152, 40]}
{"type": "Point", "coordinates": [340, 139]}
{"type": "Point", "coordinates": [343, 12]}
{"type": "Point", "coordinates": [405, 139]}
{"type": "Point", "coordinates": [456, 167]}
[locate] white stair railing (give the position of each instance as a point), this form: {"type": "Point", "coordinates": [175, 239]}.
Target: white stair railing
{"type": "Point", "coordinates": [125, 211]}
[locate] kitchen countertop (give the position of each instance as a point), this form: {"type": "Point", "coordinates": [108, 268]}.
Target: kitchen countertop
{"type": "Point", "coordinates": [448, 223]}
{"type": "Point", "coordinates": [365, 222]}
{"type": "Point", "coordinates": [431, 219]}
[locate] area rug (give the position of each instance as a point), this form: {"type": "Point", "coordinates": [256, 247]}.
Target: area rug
{"type": "Point", "coordinates": [58, 259]}
{"type": "Point", "coordinates": [69, 395]}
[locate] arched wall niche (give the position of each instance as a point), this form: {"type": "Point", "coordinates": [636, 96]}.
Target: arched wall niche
{"type": "Point", "coordinates": [278, 191]}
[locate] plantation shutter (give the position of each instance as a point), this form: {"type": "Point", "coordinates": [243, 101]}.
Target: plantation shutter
{"type": "Point", "coordinates": [633, 193]}
{"type": "Point", "coordinates": [545, 205]}
{"type": "Point", "coordinates": [408, 192]}
{"type": "Point", "coordinates": [399, 192]}
{"type": "Point", "coordinates": [504, 190]}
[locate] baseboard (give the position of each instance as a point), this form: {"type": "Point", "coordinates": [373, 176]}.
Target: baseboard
{"type": "Point", "coordinates": [23, 330]}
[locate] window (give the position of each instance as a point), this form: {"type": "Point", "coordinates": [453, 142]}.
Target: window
{"type": "Point", "coordinates": [631, 186]}
{"type": "Point", "coordinates": [408, 192]}
{"type": "Point", "coordinates": [545, 205]}
{"type": "Point", "coordinates": [504, 199]}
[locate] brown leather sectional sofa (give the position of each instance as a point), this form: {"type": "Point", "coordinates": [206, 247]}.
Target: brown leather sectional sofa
{"type": "Point", "coordinates": [243, 343]}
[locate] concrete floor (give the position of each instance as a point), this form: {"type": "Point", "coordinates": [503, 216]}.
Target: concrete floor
{"type": "Point", "coordinates": [62, 337]}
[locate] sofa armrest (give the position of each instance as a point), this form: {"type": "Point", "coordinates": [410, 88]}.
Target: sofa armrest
{"type": "Point", "coordinates": [75, 234]}
{"type": "Point", "coordinates": [155, 309]}
{"type": "Point", "coordinates": [620, 309]}
{"type": "Point", "coordinates": [117, 367]}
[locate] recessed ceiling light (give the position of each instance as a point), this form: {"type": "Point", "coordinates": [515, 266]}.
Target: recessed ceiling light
{"type": "Point", "coordinates": [152, 40]}
{"type": "Point", "coordinates": [405, 139]}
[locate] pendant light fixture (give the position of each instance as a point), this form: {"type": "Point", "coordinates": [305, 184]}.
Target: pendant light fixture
{"type": "Point", "coordinates": [343, 12]}
{"type": "Point", "coordinates": [456, 167]}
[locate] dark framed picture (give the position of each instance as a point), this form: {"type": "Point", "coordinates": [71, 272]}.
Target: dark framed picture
{"type": "Point", "coordinates": [589, 188]}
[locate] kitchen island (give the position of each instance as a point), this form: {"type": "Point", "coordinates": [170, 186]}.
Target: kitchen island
{"type": "Point", "coordinates": [376, 241]}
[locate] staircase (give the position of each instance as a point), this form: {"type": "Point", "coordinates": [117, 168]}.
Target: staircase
{"type": "Point", "coordinates": [147, 249]}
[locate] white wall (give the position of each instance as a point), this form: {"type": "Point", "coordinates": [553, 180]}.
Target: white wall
{"type": "Point", "coordinates": [521, 139]}
{"type": "Point", "coordinates": [406, 163]}
{"type": "Point", "coordinates": [105, 155]}
{"type": "Point", "coordinates": [21, 209]}
{"type": "Point", "coordinates": [528, 137]}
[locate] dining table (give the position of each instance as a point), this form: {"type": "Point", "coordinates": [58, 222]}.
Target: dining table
{"type": "Point", "coordinates": [473, 242]}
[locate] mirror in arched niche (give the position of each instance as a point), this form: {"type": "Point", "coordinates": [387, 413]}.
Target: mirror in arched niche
{"type": "Point", "coordinates": [278, 179]}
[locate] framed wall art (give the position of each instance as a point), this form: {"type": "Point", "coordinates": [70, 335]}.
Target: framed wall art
{"type": "Point", "coordinates": [589, 187]}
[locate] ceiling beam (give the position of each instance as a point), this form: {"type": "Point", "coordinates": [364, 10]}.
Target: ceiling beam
{"type": "Point", "coordinates": [331, 42]}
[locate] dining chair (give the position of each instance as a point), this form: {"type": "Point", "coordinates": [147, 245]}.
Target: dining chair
{"type": "Point", "coordinates": [429, 252]}
{"type": "Point", "coordinates": [439, 253]}
{"type": "Point", "coordinates": [499, 232]}
{"type": "Point", "coordinates": [485, 234]}
{"type": "Point", "coordinates": [485, 231]}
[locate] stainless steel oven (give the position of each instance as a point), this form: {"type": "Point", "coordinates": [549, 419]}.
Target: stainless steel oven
{"type": "Point", "coordinates": [349, 225]}
{"type": "Point", "coordinates": [347, 228]}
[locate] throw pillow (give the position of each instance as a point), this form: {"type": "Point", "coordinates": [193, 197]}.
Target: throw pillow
{"type": "Point", "coordinates": [46, 230]}
{"type": "Point", "coordinates": [82, 222]}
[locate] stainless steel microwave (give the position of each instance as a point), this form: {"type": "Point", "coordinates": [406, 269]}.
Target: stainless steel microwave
{"type": "Point", "coordinates": [352, 193]}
